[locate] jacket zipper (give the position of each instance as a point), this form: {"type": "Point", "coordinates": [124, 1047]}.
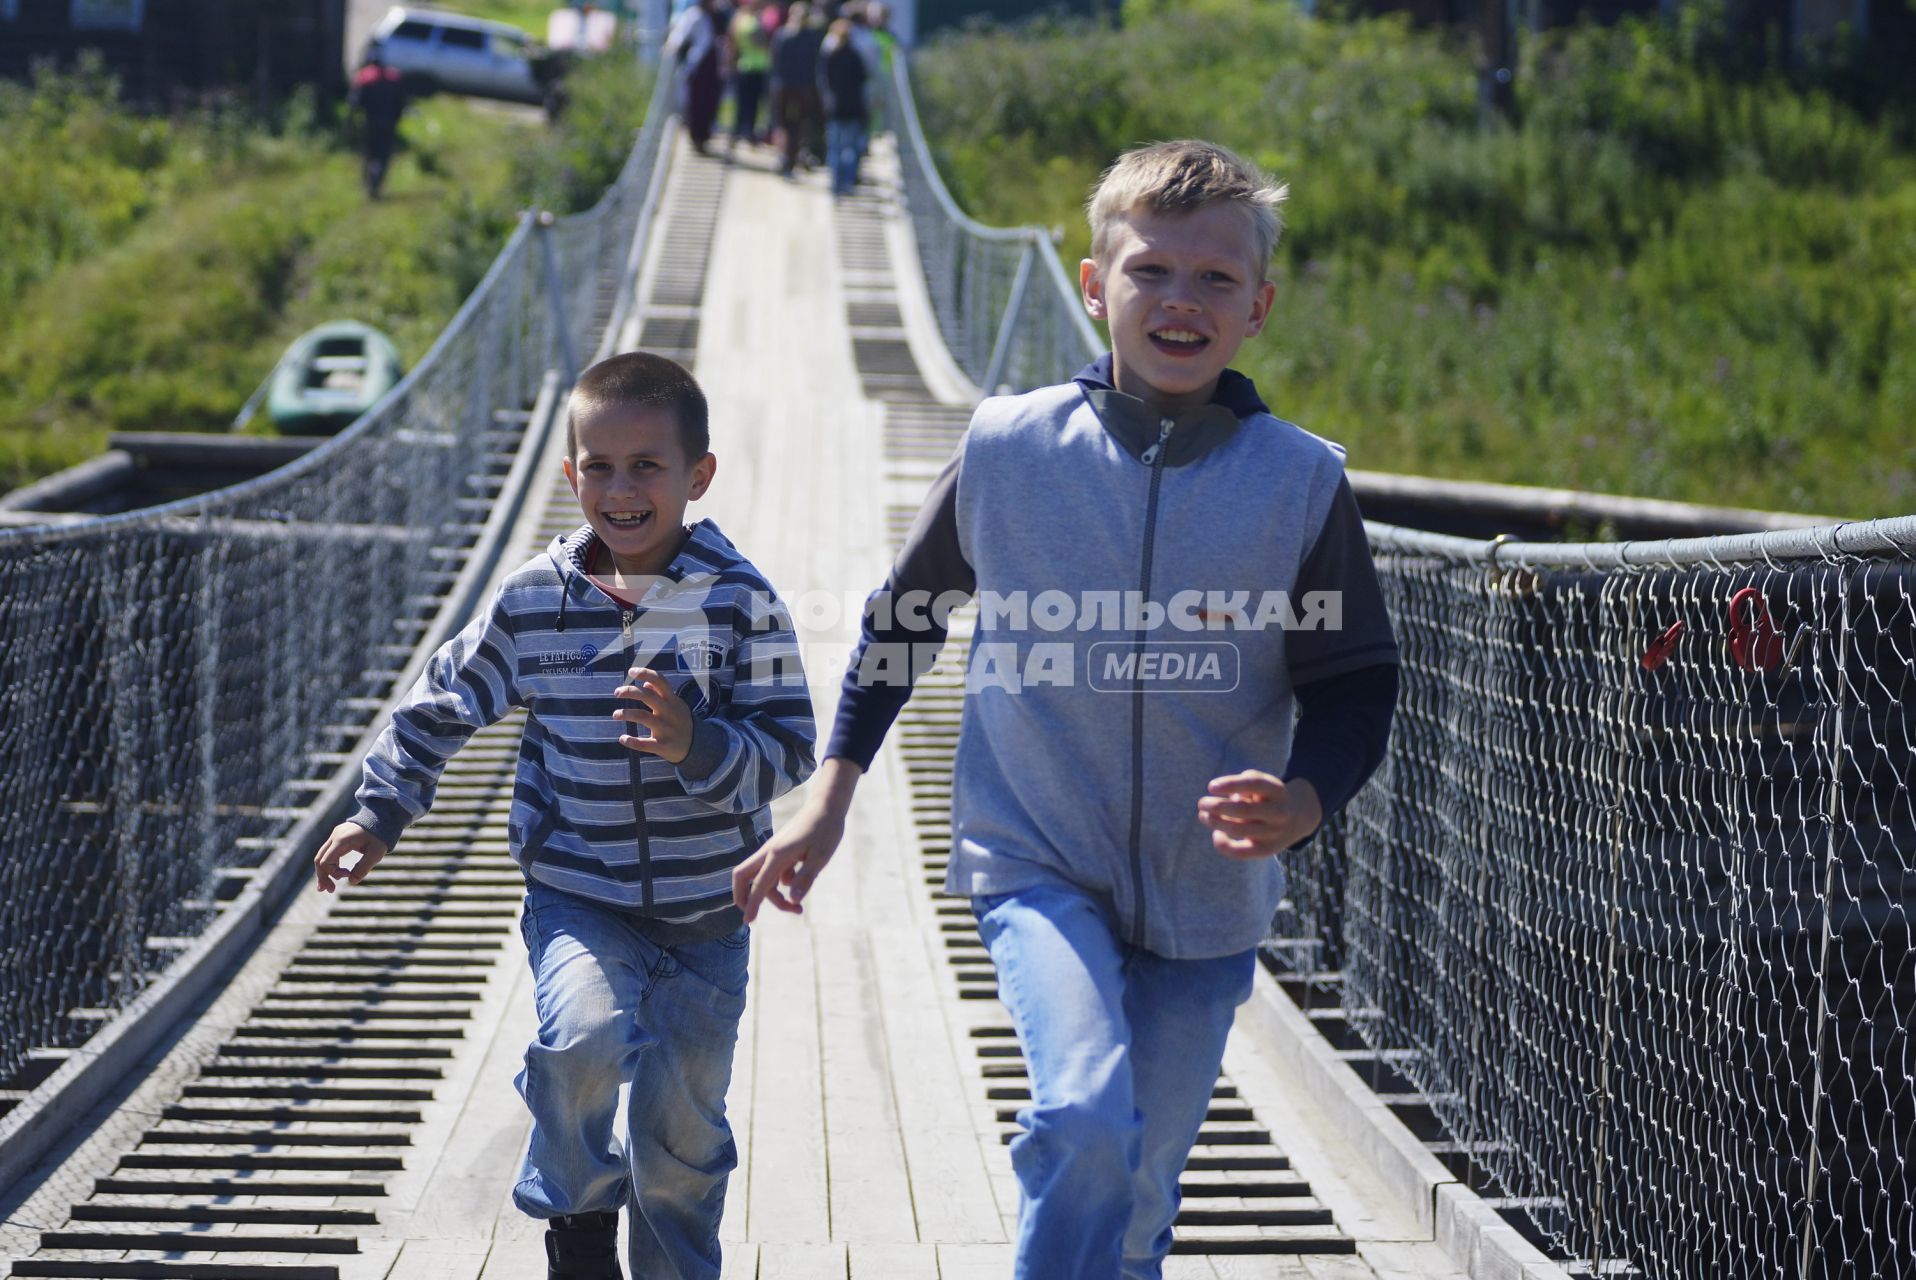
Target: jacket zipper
{"type": "Point", "coordinates": [1152, 457]}
{"type": "Point", "coordinates": [638, 778]}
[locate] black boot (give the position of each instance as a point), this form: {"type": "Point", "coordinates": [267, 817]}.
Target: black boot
{"type": "Point", "coordinates": [583, 1246]}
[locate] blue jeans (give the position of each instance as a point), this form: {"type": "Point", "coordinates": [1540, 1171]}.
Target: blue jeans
{"type": "Point", "coordinates": [1123, 1048]}
{"type": "Point", "coordinates": [844, 144]}
{"type": "Point", "coordinates": [616, 1009]}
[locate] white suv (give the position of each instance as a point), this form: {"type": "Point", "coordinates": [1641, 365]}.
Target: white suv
{"type": "Point", "coordinates": [436, 50]}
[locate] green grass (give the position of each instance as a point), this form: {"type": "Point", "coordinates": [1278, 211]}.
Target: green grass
{"type": "Point", "coordinates": [163, 307]}
{"type": "Point", "coordinates": [527, 15]}
{"type": "Point", "coordinates": [1662, 280]}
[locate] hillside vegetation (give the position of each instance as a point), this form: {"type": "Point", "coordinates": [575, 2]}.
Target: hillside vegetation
{"type": "Point", "coordinates": [152, 270]}
{"type": "Point", "coordinates": [1662, 279]}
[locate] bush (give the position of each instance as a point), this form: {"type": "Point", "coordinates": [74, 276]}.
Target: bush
{"type": "Point", "coordinates": [174, 259]}
{"type": "Point", "coordinates": [98, 170]}
{"type": "Point", "coordinates": [1662, 278]}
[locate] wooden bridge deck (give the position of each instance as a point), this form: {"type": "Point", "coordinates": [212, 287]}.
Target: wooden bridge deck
{"type": "Point", "coordinates": [871, 1076]}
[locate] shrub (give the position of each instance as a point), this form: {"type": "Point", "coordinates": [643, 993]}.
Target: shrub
{"type": "Point", "coordinates": [168, 262]}
{"type": "Point", "coordinates": [1664, 277]}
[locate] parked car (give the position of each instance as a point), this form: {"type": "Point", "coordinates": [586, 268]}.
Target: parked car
{"type": "Point", "coordinates": [440, 51]}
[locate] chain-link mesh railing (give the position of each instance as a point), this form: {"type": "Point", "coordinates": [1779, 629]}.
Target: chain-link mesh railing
{"type": "Point", "coordinates": [172, 680]}
{"type": "Point", "coordinates": [1630, 900]}
{"type": "Point", "coordinates": [1008, 312]}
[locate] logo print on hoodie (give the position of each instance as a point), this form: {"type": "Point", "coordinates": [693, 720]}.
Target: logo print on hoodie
{"type": "Point", "coordinates": [567, 660]}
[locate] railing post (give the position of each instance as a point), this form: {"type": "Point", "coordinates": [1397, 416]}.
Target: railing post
{"type": "Point", "coordinates": [1625, 698]}
{"type": "Point", "coordinates": [124, 756]}
{"type": "Point", "coordinates": [1819, 1030]}
{"type": "Point", "coordinates": [1001, 348]}
{"type": "Point", "coordinates": [568, 362]}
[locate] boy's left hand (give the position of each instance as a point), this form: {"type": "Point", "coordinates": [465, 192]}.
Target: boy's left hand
{"type": "Point", "coordinates": [657, 710]}
{"type": "Point", "coordinates": [1254, 815]}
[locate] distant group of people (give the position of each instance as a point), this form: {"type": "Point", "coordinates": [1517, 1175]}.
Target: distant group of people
{"type": "Point", "coordinates": [813, 63]}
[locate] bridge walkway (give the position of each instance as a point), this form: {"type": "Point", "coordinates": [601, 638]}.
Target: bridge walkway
{"type": "Point", "coordinates": [876, 1077]}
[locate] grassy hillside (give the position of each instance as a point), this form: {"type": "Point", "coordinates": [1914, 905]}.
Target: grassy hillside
{"type": "Point", "coordinates": [1660, 280]}
{"type": "Point", "coordinates": [155, 268]}
{"type": "Point", "coordinates": [527, 15]}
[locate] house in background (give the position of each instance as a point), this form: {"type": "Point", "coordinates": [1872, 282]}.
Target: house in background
{"type": "Point", "coordinates": [167, 50]}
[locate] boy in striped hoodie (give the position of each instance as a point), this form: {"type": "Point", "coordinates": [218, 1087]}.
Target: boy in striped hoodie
{"type": "Point", "coordinates": [666, 710]}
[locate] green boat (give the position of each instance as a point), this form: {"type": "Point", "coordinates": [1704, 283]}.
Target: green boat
{"type": "Point", "coordinates": [331, 375]}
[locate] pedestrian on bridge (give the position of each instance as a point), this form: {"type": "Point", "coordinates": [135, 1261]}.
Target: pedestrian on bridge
{"type": "Point", "coordinates": [842, 79]}
{"type": "Point", "coordinates": [666, 710]}
{"type": "Point", "coordinates": [749, 41]}
{"type": "Point", "coordinates": [1151, 722]}
{"type": "Point", "coordinates": [798, 112]}
{"type": "Point", "coordinates": [693, 46]}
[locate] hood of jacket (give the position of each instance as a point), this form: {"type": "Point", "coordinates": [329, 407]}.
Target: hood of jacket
{"type": "Point", "coordinates": [707, 553]}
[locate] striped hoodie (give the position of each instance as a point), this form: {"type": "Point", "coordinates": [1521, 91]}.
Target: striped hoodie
{"type": "Point", "coordinates": [590, 816]}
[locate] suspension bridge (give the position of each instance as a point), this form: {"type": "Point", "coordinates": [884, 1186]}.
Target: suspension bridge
{"type": "Point", "coordinates": [1607, 972]}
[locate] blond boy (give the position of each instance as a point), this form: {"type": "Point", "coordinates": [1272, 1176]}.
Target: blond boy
{"type": "Point", "coordinates": [1181, 665]}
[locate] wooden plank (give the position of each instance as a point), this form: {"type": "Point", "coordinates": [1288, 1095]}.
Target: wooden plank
{"type": "Point", "coordinates": [1251, 1266]}
{"type": "Point", "coordinates": [894, 1261]}
{"type": "Point", "coordinates": [801, 1262]}
{"type": "Point", "coordinates": [738, 1110]}
{"type": "Point", "coordinates": [440, 1260]}
{"type": "Point", "coordinates": [869, 1184]}
{"type": "Point", "coordinates": [1341, 1175]}
{"type": "Point", "coordinates": [788, 1201]}
{"type": "Point", "coordinates": [951, 1187]}
{"type": "Point", "coordinates": [1400, 1260]}
{"type": "Point", "coordinates": [518, 1245]}
{"type": "Point", "coordinates": [376, 1260]}
{"type": "Point", "coordinates": [974, 1261]}
{"type": "Point", "coordinates": [739, 1262]}
{"type": "Point", "coordinates": [477, 1162]}
{"type": "Point", "coordinates": [772, 495]}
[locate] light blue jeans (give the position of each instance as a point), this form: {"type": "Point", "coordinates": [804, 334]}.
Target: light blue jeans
{"type": "Point", "coordinates": [615, 1009]}
{"type": "Point", "coordinates": [1123, 1048]}
{"type": "Point", "coordinates": [844, 144]}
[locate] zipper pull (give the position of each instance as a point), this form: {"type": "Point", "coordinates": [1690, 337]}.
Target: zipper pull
{"type": "Point", "coordinates": [1150, 456]}
{"type": "Point", "coordinates": [631, 616]}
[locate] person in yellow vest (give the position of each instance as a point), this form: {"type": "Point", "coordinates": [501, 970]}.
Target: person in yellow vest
{"type": "Point", "coordinates": [749, 41]}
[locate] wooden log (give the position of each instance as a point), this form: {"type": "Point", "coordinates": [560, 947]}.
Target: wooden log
{"type": "Point", "coordinates": [78, 486]}
{"type": "Point", "coordinates": [200, 449]}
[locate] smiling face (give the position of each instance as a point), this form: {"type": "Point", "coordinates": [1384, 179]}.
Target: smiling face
{"type": "Point", "coordinates": [1181, 292]}
{"type": "Point", "coordinates": [633, 481]}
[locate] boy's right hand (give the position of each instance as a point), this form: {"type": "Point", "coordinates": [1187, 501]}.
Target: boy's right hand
{"type": "Point", "coordinates": [784, 867]}
{"type": "Point", "coordinates": [347, 837]}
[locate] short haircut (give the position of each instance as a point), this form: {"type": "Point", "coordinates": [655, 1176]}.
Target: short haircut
{"type": "Point", "coordinates": [1182, 177]}
{"type": "Point", "coordinates": [641, 380]}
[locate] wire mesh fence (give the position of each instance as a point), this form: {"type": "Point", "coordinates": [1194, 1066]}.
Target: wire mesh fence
{"type": "Point", "coordinates": [1009, 314]}
{"type": "Point", "coordinates": [1630, 900]}
{"type": "Point", "coordinates": [171, 680]}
